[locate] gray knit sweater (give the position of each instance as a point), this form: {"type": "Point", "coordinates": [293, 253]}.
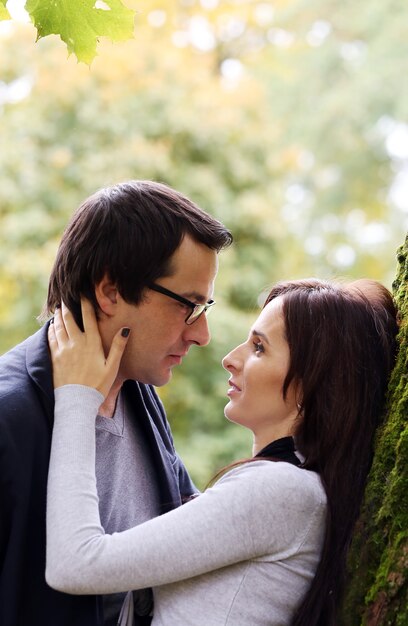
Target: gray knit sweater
{"type": "Point", "coordinates": [241, 554]}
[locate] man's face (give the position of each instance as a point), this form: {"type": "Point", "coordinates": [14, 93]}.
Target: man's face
{"type": "Point", "coordinates": [159, 337]}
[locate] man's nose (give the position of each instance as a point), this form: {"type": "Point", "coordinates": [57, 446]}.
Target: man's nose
{"type": "Point", "coordinates": [199, 332]}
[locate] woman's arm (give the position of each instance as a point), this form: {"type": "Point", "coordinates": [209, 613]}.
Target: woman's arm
{"type": "Point", "coordinates": [242, 517]}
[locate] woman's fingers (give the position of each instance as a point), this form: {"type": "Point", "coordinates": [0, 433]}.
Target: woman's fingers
{"type": "Point", "coordinates": [52, 338]}
{"type": "Point", "coordinates": [78, 357]}
{"type": "Point", "coordinates": [88, 317]}
{"type": "Point", "coordinates": [113, 360]}
{"type": "Point", "coordinates": [71, 327]}
{"type": "Point", "coordinates": [67, 328]}
{"type": "Point", "coordinates": [61, 334]}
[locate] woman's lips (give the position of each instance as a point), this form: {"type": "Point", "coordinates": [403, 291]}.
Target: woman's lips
{"type": "Point", "coordinates": [233, 388]}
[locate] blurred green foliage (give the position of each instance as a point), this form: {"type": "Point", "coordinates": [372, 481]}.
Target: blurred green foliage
{"type": "Point", "coordinates": [289, 122]}
{"type": "Point", "coordinates": [80, 23]}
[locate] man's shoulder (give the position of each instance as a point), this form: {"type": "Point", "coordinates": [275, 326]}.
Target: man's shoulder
{"type": "Point", "coordinates": [22, 369]}
{"type": "Point", "coordinates": [13, 370]}
{"type": "Point", "coordinates": [13, 362]}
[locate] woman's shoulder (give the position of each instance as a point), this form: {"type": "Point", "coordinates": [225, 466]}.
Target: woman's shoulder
{"type": "Point", "coordinates": [273, 479]}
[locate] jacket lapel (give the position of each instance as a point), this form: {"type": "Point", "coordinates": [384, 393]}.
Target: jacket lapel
{"type": "Point", "coordinates": [159, 441]}
{"type": "Point", "coordinates": [39, 369]}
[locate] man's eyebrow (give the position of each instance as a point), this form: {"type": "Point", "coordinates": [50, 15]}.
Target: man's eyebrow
{"type": "Point", "coordinates": [259, 334]}
{"type": "Point", "coordinates": [195, 297]}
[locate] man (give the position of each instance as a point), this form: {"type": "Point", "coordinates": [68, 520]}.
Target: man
{"type": "Point", "coordinates": [146, 257]}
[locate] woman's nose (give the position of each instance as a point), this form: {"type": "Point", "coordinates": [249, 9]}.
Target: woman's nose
{"type": "Point", "coordinates": [225, 361]}
{"type": "Point", "coordinates": [230, 361]}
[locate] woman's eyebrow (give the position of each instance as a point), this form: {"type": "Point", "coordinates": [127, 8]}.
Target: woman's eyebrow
{"type": "Point", "coordinates": [259, 334]}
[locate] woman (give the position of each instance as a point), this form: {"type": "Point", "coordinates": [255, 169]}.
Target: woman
{"type": "Point", "coordinates": [267, 544]}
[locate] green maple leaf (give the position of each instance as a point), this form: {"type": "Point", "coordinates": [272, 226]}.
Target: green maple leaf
{"type": "Point", "coordinates": [4, 14]}
{"type": "Point", "coordinates": [80, 23]}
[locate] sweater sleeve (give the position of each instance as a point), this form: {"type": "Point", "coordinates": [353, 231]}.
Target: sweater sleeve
{"type": "Point", "coordinates": [243, 516]}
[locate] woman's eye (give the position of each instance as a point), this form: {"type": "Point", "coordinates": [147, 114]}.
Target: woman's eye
{"type": "Point", "coordinates": [258, 347]}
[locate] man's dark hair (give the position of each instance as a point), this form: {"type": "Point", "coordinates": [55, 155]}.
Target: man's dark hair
{"type": "Point", "coordinates": [128, 231]}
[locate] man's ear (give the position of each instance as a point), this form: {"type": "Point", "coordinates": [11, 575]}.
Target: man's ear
{"type": "Point", "coordinates": [106, 294]}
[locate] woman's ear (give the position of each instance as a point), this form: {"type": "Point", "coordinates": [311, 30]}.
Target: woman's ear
{"type": "Point", "coordinates": [106, 294]}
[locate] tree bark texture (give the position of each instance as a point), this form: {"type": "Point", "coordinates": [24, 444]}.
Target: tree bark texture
{"type": "Point", "coordinates": [377, 593]}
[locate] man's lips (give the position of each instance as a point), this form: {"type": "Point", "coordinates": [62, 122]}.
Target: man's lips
{"type": "Point", "coordinates": [176, 359]}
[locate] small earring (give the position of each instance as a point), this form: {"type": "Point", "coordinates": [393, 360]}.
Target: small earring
{"type": "Point", "coordinates": [299, 406]}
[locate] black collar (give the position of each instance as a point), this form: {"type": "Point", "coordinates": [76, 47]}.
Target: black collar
{"type": "Point", "coordinates": [280, 450]}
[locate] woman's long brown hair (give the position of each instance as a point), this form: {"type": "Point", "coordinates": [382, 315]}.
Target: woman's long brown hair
{"type": "Point", "coordinates": [342, 340]}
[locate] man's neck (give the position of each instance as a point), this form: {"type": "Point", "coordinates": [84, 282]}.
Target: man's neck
{"type": "Point", "coordinates": [108, 406]}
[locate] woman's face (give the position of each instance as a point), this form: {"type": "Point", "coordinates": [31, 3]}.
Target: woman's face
{"type": "Point", "coordinates": [258, 369]}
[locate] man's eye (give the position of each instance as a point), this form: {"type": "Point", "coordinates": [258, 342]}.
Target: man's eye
{"type": "Point", "coordinates": [258, 347]}
{"type": "Point", "coordinates": [184, 307]}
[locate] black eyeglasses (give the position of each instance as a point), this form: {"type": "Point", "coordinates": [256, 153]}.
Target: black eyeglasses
{"type": "Point", "coordinates": [196, 309]}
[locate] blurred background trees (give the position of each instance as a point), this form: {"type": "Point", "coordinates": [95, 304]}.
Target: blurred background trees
{"type": "Point", "coordinates": [286, 120]}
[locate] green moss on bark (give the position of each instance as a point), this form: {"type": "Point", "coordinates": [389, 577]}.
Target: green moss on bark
{"type": "Point", "coordinates": [378, 567]}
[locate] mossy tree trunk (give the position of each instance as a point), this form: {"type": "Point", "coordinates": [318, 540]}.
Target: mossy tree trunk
{"type": "Point", "coordinates": [377, 587]}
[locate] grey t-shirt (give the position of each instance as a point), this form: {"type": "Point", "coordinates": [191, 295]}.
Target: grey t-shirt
{"type": "Point", "coordinates": [127, 487]}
